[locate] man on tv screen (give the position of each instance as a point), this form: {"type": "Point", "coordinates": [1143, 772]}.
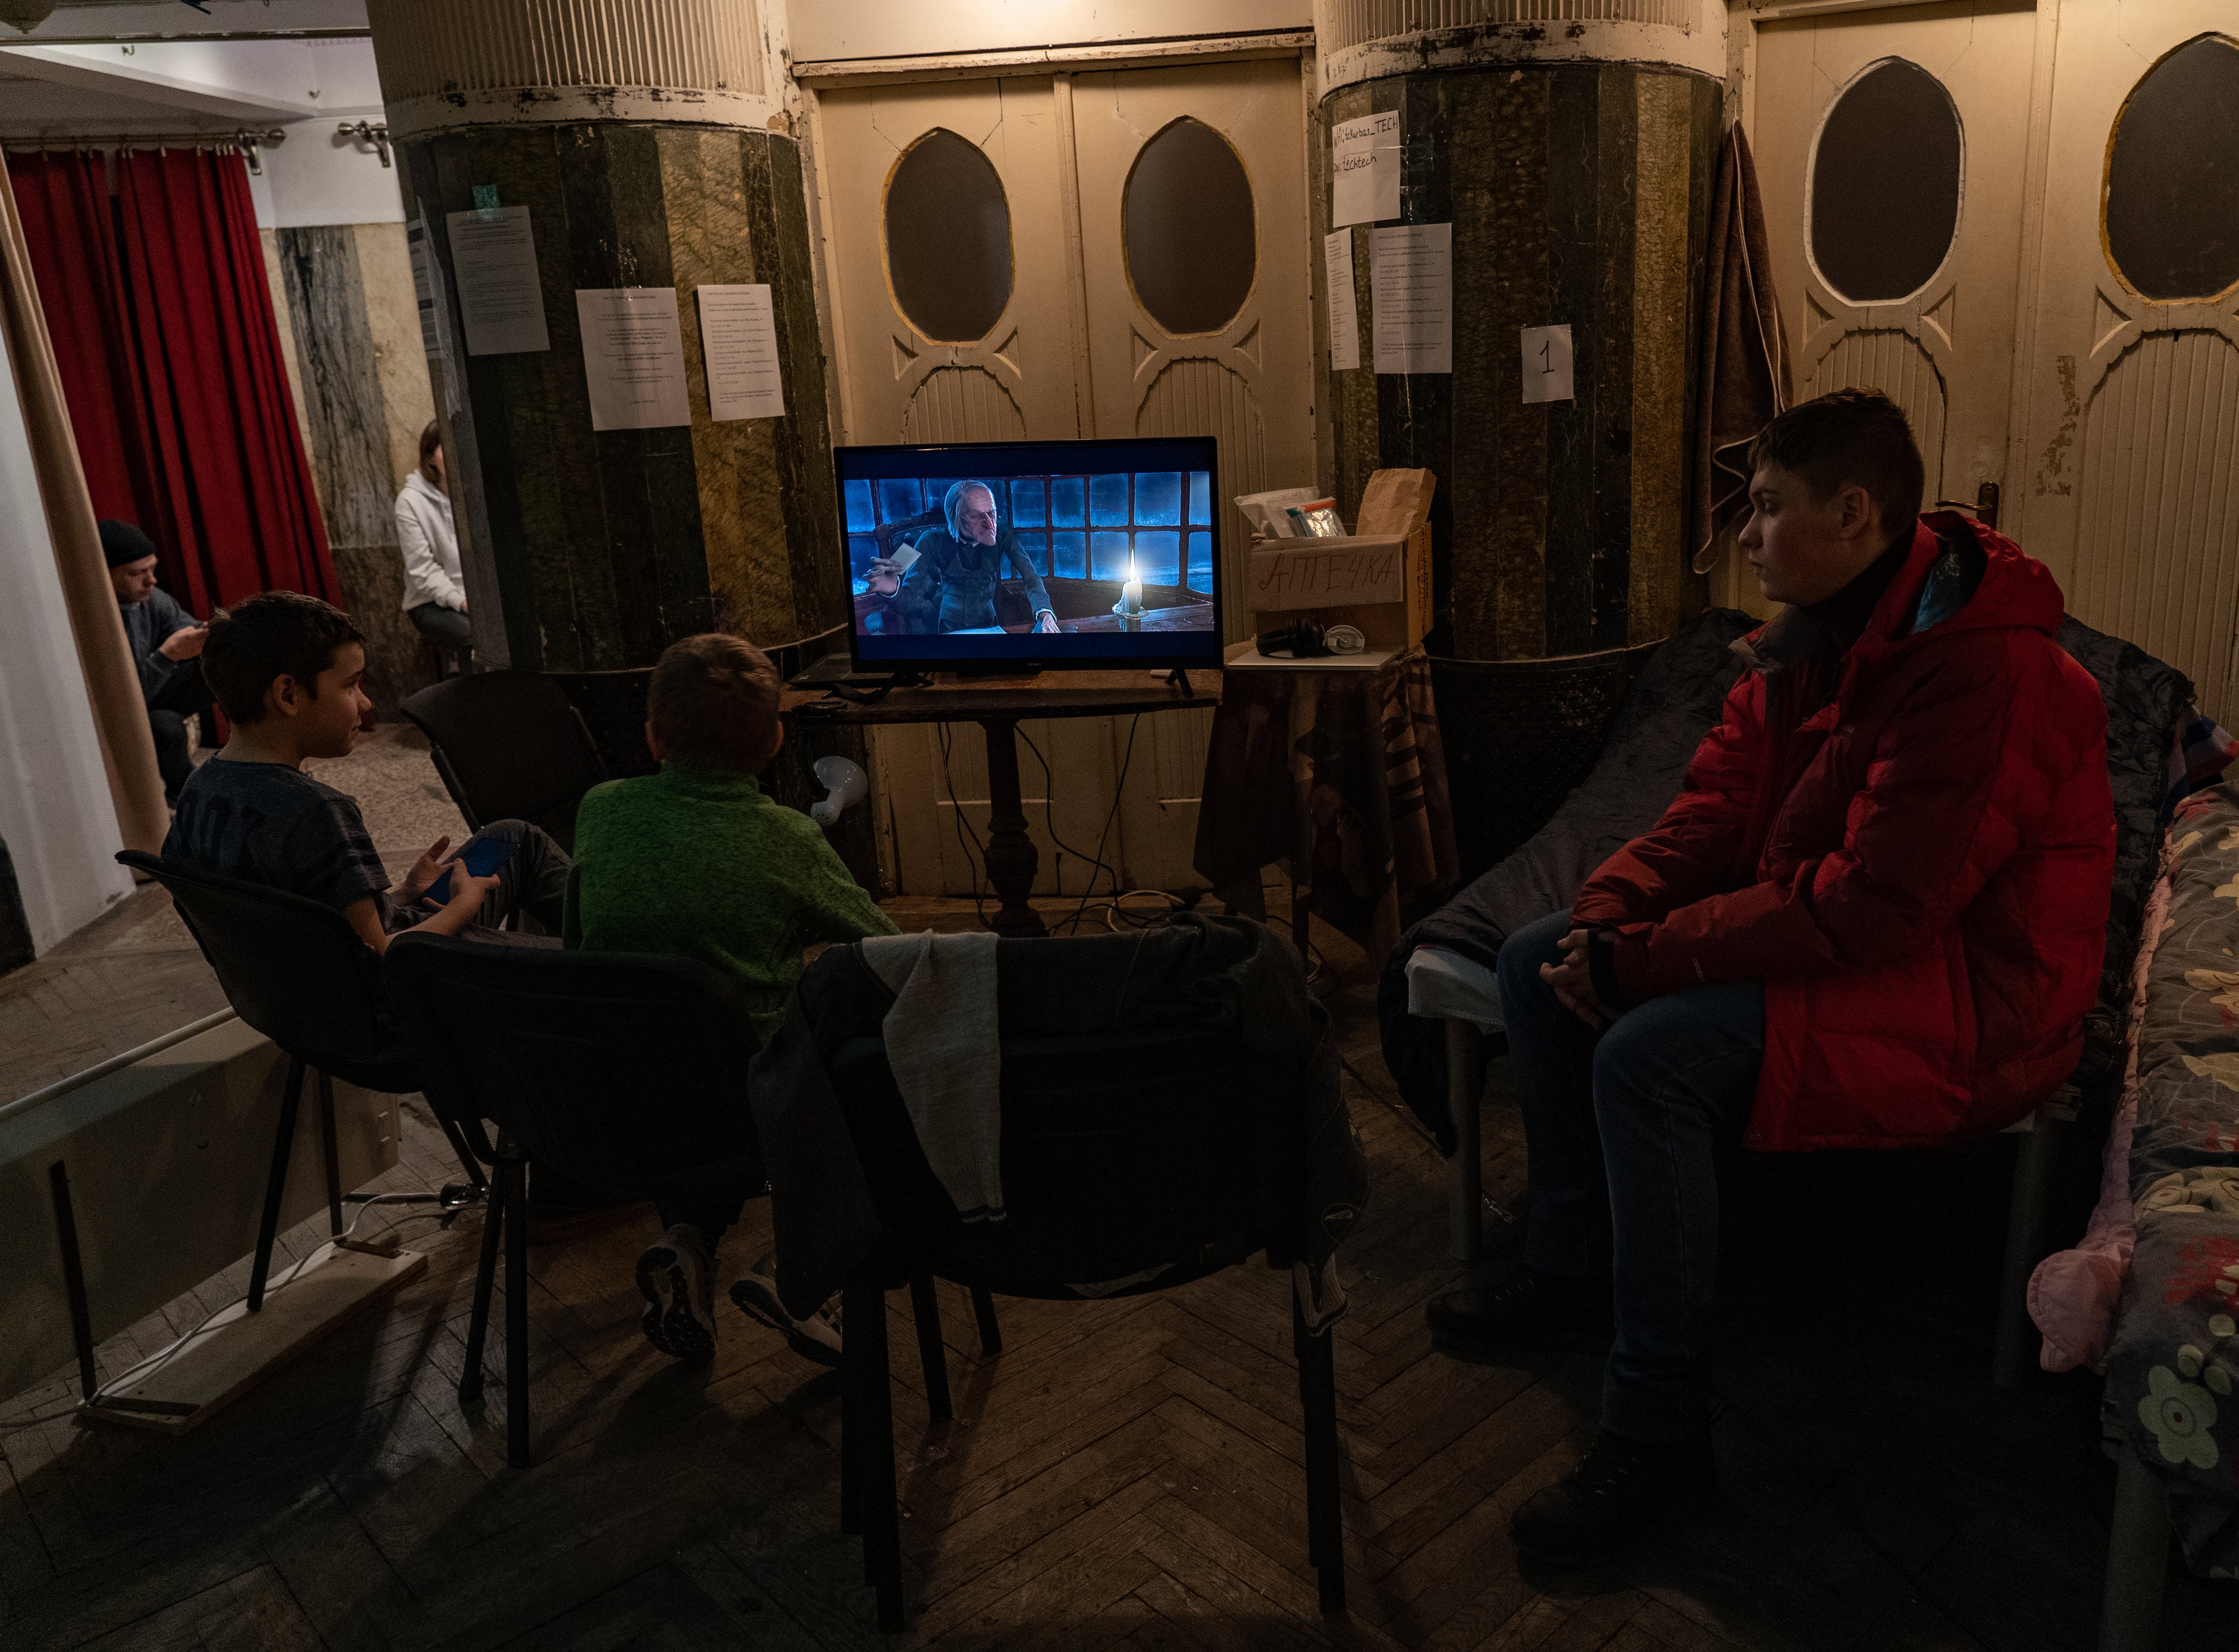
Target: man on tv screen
{"type": "Point", "coordinates": [951, 585]}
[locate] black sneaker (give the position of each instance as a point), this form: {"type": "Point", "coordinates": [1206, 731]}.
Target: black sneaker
{"type": "Point", "coordinates": [816, 1338]}
{"type": "Point", "coordinates": [1621, 1489]}
{"type": "Point", "coordinates": [1526, 1310]}
{"type": "Point", "coordinates": [679, 1315]}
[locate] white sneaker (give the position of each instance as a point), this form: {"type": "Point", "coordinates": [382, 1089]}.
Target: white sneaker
{"type": "Point", "coordinates": [680, 1313]}
{"type": "Point", "coordinates": [816, 1338]}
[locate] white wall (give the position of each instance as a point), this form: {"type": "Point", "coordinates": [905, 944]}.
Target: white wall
{"type": "Point", "coordinates": [55, 808]}
{"type": "Point", "coordinates": [319, 176]}
{"type": "Point", "coordinates": [306, 87]}
{"type": "Point", "coordinates": [825, 30]}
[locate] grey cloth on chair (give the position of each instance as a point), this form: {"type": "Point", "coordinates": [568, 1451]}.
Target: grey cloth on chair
{"type": "Point", "coordinates": [1193, 970]}
{"type": "Point", "coordinates": [946, 1055]}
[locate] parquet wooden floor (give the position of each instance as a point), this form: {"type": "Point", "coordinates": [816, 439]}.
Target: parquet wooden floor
{"type": "Point", "coordinates": [1124, 1475]}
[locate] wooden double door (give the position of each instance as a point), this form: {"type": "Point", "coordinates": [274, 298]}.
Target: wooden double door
{"type": "Point", "coordinates": [2041, 263]}
{"type": "Point", "coordinates": [1059, 257]}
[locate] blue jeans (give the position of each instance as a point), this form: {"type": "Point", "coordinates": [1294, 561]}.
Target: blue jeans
{"type": "Point", "coordinates": [1621, 1129]}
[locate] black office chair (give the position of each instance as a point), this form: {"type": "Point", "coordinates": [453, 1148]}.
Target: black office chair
{"type": "Point", "coordinates": [297, 973]}
{"type": "Point", "coordinates": [509, 747]}
{"type": "Point", "coordinates": [618, 1070]}
{"type": "Point", "coordinates": [1141, 1148]}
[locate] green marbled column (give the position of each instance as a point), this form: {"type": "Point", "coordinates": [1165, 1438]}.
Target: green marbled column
{"type": "Point", "coordinates": [1579, 194]}
{"type": "Point", "coordinates": [607, 546]}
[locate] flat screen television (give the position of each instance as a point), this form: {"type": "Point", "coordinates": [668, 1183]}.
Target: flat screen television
{"type": "Point", "coordinates": [1033, 555]}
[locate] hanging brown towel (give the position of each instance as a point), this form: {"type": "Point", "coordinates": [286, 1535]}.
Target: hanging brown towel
{"type": "Point", "coordinates": [1746, 377]}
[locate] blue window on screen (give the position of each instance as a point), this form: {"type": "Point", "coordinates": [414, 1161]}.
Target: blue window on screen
{"type": "Point", "coordinates": [1070, 556]}
{"type": "Point", "coordinates": [1029, 504]}
{"type": "Point", "coordinates": [1108, 501]}
{"type": "Point", "coordinates": [899, 496]}
{"type": "Point", "coordinates": [1159, 497]}
{"type": "Point", "coordinates": [1068, 501]}
{"type": "Point", "coordinates": [1107, 558]}
{"type": "Point", "coordinates": [859, 518]}
{"type": "Point", "coordinates": [1157, 558]}
{"type": "Point", "coordinates": [1200, 492]}
{"type": "Point", "coordinates": [1201, 567]}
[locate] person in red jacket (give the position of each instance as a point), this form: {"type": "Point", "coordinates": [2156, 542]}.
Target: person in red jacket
{"type": "Point", "coordinates": [1872, 917]}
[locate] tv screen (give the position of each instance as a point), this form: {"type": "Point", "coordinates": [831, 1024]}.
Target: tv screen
{"type": "Point", "coordinates": [1033, 555]}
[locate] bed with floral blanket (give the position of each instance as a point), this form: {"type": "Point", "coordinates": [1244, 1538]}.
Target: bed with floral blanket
{"type": "Point", "coordinates": [2172, 1361]}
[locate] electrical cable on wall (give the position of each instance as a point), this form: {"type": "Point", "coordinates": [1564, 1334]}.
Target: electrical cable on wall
{"type": "Point", "coordinates": [1119, 790]}
{"type": "Point", "coordinates": [1049, 814]}
{"type": "Point", "coordinates": [974, 853]}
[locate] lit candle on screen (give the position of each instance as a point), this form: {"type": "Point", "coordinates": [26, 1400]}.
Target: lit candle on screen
{"type": "Point", "coordinates": [1131, 593]}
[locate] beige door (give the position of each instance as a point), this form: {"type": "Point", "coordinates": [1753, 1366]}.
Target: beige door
{"type": "Point", "coordinates": [983, 141]}
{"type": "Point", "coordinates": [1890, 148]}
{"type": "Point", "coordinates": [1072, 351]}
{"type": "Point", "coordinates": [1194, 230]}
{"type": "Point", "coordinates": [1211, 343]}
{"type": "Point", "coordinates": [2130, 486]}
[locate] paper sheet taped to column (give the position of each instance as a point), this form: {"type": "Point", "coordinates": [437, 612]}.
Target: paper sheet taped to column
{"type": "Point", "coordinates": [633, 357]}
{"type": "Point", "coordinates": [1411, 274]}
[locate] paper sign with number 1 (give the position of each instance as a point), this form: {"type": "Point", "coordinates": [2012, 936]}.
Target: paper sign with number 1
{"type": "Point", "coordinates": [1547, 364]}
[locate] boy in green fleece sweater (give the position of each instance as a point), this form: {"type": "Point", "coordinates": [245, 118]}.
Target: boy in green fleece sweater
{"type": "Point", "coordinates": [696, 862]}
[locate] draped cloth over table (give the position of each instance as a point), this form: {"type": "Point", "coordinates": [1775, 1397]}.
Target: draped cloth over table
{"type": "Point", "coordinates": [169, 353]}
{"type": "Point", "coordinates": [120, 715]}
{"type": "Point", "coordinates": [1341, 775]}
{"type": "Point", "coordinates": [1745, 372]}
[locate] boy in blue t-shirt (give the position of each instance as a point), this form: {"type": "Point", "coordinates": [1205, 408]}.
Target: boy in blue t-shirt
{"type": "Point", "coordinates": [289, 672]}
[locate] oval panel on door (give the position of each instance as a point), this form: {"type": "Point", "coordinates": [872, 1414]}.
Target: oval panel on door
{"type": "Point", "coordinates": [1191, 229]}
{"type": "Point", "coordinates": [2172, 200]}
{"type": "Point", "coordinates": [948, 239]}
{"type": "Point", "coordinates": [1885, 184]}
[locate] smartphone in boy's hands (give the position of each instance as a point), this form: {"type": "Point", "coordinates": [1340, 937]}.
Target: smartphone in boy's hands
{"type": "Point", "coordinates": [482, 857]}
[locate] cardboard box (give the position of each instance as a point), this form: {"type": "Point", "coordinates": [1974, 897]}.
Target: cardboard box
{"type": "Point", "coordinates": [1378, 583]}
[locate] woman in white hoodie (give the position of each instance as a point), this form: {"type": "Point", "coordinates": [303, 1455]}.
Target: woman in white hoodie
{"type": "Point", "coordinates": [434, 596]}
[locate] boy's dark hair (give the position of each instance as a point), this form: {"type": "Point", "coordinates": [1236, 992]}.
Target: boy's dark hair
{"type": "Point", "coordinates": [273, 635]}
{"type": "Point", "coordinates": [714, 701]}
{"type": "Point", "coordinates": [1849, 436]}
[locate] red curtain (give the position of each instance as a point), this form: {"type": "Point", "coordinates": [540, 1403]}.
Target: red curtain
{"type": "Point", "coordinates": [71, 231]}
{"type": "Point", "coordinates": [170, 355]}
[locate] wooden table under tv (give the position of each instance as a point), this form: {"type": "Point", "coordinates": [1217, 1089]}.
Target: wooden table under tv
{"type": "Point", "coordinates": [998, 704]}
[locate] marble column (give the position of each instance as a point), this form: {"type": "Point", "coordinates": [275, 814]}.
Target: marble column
{"type": "Point", "coordinates": [349, 425]}
{"type": "Point", "coordinates": [652, 149]}
{"type": "Point", "coordinates": [1573, 159]}
{"type": "Point", "coordinates": [1574, 164]}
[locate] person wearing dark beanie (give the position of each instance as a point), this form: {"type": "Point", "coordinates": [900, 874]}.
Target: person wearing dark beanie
{"type": "Point", "coordinates": [166, 643]}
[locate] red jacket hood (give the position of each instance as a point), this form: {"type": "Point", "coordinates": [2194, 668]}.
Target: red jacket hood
{"type": "Point", "coordinates": [2012, 589]}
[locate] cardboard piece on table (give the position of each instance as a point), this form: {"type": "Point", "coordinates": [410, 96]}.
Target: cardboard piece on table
{"type": "Point", "coordinates": [1396, 502]}
{"type": "Point", "coordinates": [237, 1347]}
{"type": "Point", "coordinates": [1380, 583]}
{"type": "Point", "coordinates": [1313, 573]}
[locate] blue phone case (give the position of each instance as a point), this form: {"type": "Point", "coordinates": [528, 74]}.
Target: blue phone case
{"type": "Point", "coordinates": [480, 858]}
